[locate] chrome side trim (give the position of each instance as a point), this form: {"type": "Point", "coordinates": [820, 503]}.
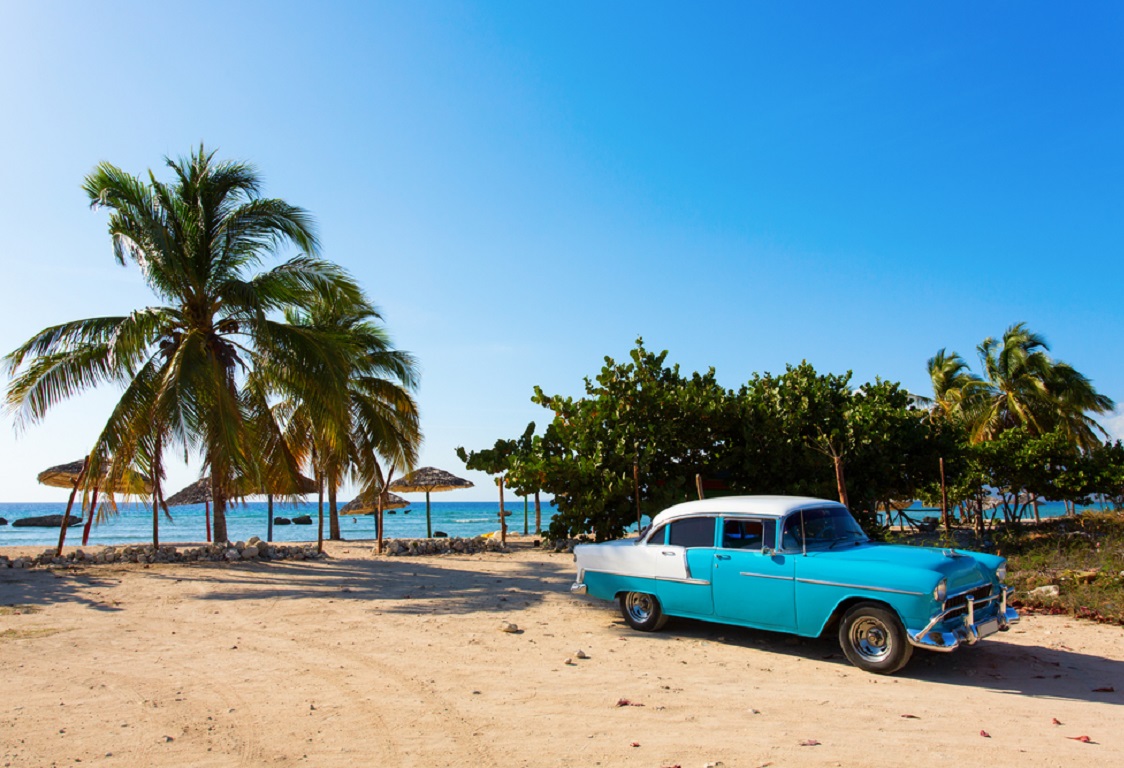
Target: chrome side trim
{"type": "Point", "coordinates": [699, 582]}
{"type": "Point", "coordinates": [862, 586]}
{"type": "Point", "coordinates": [766, 576]}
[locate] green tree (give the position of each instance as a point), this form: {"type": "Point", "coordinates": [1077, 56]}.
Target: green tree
{"type": "Point", "coordinates": [376, 416]}
{"type": "Point", "coordinates": [642, 426]}
{"type": "Point", "coordinates": [198, 241]}
{"type": "Point", "coordinates": [1026, 387]}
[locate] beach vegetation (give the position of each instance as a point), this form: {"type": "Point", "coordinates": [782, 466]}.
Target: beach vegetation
{"type": "Point", "coordinates": [375, 417]}
{"type": "Point", "coordinates": [186, 365]}
{"type": "Point", "coordinates": [645, 436]}
{"type": "Point", "coordinates": [520, 463]}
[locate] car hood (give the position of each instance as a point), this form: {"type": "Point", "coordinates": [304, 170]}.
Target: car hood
{"type": "Point", "coordinates": [961, 569]}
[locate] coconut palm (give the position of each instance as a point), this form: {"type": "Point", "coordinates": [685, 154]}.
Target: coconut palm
{"type": "Point", "coordinates": [197, 241]}
{"type": "Point", "coordinates": [1027, 387]}
{"type": "Point", "coordinates": [380, 417]}
{"type": "Point", "coordinates": [955, 387]}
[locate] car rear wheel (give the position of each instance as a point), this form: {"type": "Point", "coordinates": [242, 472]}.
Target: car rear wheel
{"type": "Point", "coordinates": [873, 639]}
{"type": "Point", "coordinates": [642, 611]}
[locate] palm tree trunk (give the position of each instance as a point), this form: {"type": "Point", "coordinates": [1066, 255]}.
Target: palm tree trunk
{"type": "Point", "coordinates": [90, 519]}
{"type": "Point", "coordinates": [218, 501]}
{"type": "Point", "coordinates": [70, 505]}
{"type": "Point", "coordinates": [320, 514]}
{"type": "Point", "coordinates": [333, 513]}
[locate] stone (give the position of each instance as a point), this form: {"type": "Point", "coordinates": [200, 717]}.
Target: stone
{"type": "Point", "coordinates": [582, 654]}
{"type": "Point", "coordinates": [509, 627]}
{"type": "Point", "coordinates": [1050, 590]}
{"type": "Point", "coordinates": [232, 555]}
{"type": "Point", "coordinates": [282, 521]}
{"type": "Point", "coordinates": [302, 520]}
{"type": "Point", "coordinates": [46, 521]}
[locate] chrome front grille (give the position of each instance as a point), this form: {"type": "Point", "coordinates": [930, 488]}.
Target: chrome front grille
{"type": "Point", "coordinates": [958, 604]}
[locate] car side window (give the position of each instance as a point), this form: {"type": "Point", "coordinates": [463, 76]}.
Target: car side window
{"type": "Point", "coordinates": [657, 537]}
{"type": "Point", "coordinates": [743, 534]}
{"type": "Point", "coordinates": [693, 532]}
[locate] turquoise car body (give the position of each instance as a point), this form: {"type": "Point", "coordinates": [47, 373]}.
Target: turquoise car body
{"type": "Point", "coordinates": [774, 575]}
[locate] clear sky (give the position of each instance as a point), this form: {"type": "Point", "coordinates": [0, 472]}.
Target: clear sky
{"type": "Point", "coordinates": [524, 188]}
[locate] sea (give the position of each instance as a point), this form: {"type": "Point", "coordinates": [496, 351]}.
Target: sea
{"type": "Point", "coordinates": [133, 523]}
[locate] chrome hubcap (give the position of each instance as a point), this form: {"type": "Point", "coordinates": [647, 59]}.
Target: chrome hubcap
{"type": "Point", "coordinates": [871, 639]}
{"type": "Point", "coordinates": [639, 606]}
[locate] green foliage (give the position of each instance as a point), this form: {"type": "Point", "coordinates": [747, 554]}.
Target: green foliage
{"type": "Point", "coordinates": [640, 414]}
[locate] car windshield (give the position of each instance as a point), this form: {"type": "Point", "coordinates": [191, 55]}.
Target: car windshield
{"type": "Point", "coordinates": [827, 526]}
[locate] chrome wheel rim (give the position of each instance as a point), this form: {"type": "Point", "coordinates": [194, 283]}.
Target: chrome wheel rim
{"type": "Point", "coordinates": [639, 606]}
{"type": "Point", "coordinates": [871, 639]}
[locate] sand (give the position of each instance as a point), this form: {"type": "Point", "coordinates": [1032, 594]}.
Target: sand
{"type": "Point", "coordinates": [365, 661]}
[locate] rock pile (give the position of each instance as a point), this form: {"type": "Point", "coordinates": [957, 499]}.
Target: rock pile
{"type": "Point", "coordinates": [254, 549]}
{"type": "Point", "coordinates": [565, 545]}
{"type": "Point", "coordinates": [407, 547]}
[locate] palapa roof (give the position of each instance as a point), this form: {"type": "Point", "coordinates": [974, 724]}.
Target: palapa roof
{"type": "Point", "coordinates": [429, 479]}
{"type": "Point", "coordinates": [199, 492]}
{"type": "Point", "coordinates": [65, 475]}
{"type": "Point", "coordinates": [364, 504]}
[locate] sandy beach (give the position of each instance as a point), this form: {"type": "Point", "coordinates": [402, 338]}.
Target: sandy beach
{"type": "Point", "coordinates": [364, 660]}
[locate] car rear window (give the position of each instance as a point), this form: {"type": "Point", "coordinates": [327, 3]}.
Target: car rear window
{"type": "Point", "coordinates": [693, 532]}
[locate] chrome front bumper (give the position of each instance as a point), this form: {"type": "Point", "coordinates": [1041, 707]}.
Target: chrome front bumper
{"type": "Point", "coordinates": [971, 632]}
{"type": "Point", "coordinates": [577, 588]}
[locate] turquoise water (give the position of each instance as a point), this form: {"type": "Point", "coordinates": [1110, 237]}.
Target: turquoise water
{"type": "Point", "coordinates": [468, 518]}
{"type": "Point", "coordinates": [134, 523]}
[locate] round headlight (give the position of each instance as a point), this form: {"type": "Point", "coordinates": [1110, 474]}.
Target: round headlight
{"type": "Point", "coordinates": [941, 592]}
{"type": "Point", "coordinates": [1001, 572]}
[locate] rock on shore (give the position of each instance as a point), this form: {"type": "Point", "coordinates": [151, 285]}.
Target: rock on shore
{"type": "Point", "coordinates": [254, 549]}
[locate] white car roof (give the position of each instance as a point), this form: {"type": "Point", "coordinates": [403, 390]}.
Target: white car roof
{"type": "Point", "coordinates": [760, 506]}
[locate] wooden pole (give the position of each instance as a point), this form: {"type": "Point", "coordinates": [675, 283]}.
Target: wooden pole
{"type": "Point", "coordinates": [538, 514]}
{"type": "Point", "coordinates": [698, 485]}
{"type": "Point", "coordinates": [70, 505]}
{"type": "Point", "coordinates": [207, 517]}
{"type": "Point", "coordinates": [269, 511]}
{"type": "Point", "coordinates": [636, 490]}
{"type": "Point", "coordinates": [526, 516]}
{"type": "Point", "coordinates": [503, 517]}
{"type": "Point", "coordinates": [944, 502]}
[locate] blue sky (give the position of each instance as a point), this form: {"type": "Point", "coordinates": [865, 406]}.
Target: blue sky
{"type": "Point", "coordinates": [524, 188]}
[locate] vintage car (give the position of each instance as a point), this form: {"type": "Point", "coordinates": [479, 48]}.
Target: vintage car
{"type": "Point", "coordinates": [802, 566]}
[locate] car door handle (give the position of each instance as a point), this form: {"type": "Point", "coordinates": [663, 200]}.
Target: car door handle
{"type": "Point", "coordinates": [723, 557]}
{"type": "Point", "coordinates": [665, 553]}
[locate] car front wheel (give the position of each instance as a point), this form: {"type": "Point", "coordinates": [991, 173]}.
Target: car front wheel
{"type": "Point", "coordinates": [873, 639]}
{"type": "Point", "coordinates": [642, 611]}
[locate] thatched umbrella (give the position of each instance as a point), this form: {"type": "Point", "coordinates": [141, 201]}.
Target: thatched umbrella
{"type": "Point", "coordinates": [71, 475]}
{"type": "Point", "coordinates": [365, 504]}
{"type": "Point", "coordinates": [428, 480]}
{"type": "Point", "coordinates": [199, 492]}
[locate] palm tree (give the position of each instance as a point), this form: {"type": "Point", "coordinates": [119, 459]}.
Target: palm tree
{"type": "Point", "coordinates": [1024, 386]}
{"type": "Point", "coordinates": [955, 387]}
{"type": "Point", "coordinates": [197, 241]}
{"type": "Point", "coordinates": [379, 419]}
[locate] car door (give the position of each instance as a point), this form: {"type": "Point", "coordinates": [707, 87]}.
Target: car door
{"type": "Point", "coordinates": [751, 582]}
{"type": "Point", "coordinates": [694, 538]}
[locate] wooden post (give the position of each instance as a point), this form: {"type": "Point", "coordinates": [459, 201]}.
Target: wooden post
{"type": "Point", "coordinates": [70, 505]}
{"type": "Point", "coordinates": [944, 502]}
{"type": "Point", "coordinates": [526, 517]}
{"type": "Point", "coordinates": [207, 517]}
{"type": "Point", "coordinates": [698, 485]}
{"type": "Point", "coordinates": [538, 515]}
{"type": "Point", "coordinates": [636, 489]}
{"type": "Point", "coordinates": [503, 516]}
{"type": "Point", "coordinates": [269, 511]}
